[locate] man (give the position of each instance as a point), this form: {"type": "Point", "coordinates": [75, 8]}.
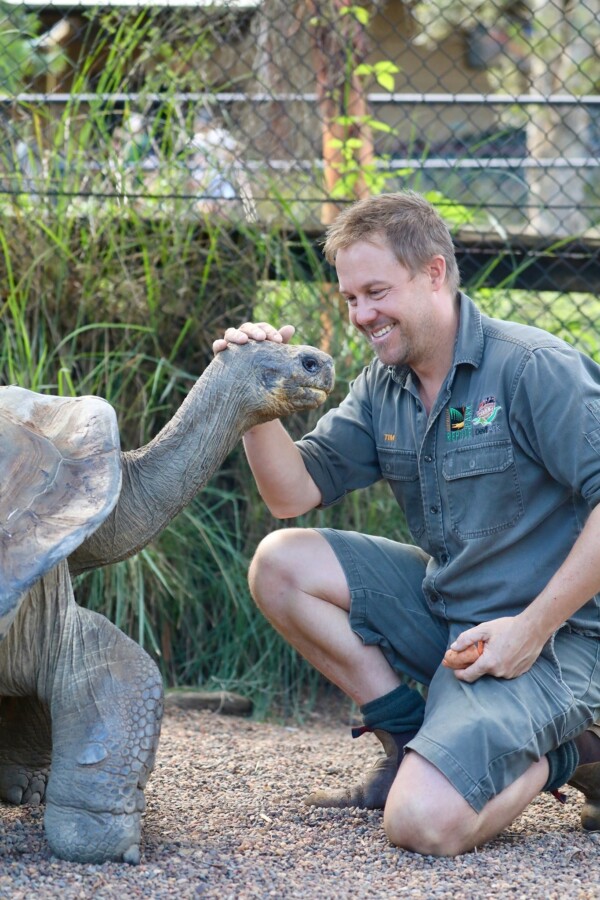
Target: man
{"type": "Point", "coordinates": [488, 433]}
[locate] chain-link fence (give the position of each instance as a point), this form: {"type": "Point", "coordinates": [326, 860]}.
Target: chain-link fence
{"type": "Point", "coordinates": [167, 168]}
{"type": "Point", "coordinates": [275, 113]}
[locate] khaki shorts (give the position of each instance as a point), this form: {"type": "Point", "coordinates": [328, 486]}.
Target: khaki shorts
{"type": "Point", "coordinates": [481, 736]}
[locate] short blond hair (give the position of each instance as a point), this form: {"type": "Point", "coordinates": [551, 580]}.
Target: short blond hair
{"type": "Point", "coordinates": [408, 222]}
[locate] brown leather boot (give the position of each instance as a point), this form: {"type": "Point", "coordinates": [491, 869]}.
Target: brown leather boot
{"type": "Point", "coordinates": [586, 778]}
{"type": "Point", "coordinates": [372, 792]}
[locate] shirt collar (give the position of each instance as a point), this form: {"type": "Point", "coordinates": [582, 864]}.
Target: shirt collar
{"type": "Point", "coordinates": [469, 339]}
{"type": "Point", "coordinates": [468, 347]}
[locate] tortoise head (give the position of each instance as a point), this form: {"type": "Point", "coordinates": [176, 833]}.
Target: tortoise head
{"type": "Point", "coordinates": [275, 380]}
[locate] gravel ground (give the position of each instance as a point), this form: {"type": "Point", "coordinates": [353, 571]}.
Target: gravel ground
{"type": "Point", "coordinates": [225, 820]}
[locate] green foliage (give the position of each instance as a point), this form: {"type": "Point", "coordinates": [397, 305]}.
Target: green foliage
{"type": "Point", "coordinates": [360, 13]}
{"type": "Point", "coordinates": [90, 308]}
{"type": "Point", "coordinates": [382, 72]}
{"type": "Point", "coordinates": [119, 290]}
{"type": "Point", "coordinates": [375, 174]}
{"type": "Point", "coordinates": [20, 54]}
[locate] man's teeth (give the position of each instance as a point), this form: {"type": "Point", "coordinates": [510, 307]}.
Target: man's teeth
{"type": "Point", "coordinates": [381, 331]}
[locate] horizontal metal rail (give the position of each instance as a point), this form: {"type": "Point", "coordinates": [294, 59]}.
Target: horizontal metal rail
{"type": "Point", "coordinates": [266, 97]}
{"type": "Point", "coordinates": [307, 165]}
{"type": "Point", "coordinates": [515, 162]}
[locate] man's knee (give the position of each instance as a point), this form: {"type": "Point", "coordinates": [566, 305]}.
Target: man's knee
{"type": "Point", "coordinates": [422, 827]}
{"type": "Point", "coordinates": [275, 569]}
{"type": "Point", "coordinates": [425, 814]}
{"type": "Point", "coordinates": [268, 566]}
{"type": "Point", "coordinates": [292, 563]}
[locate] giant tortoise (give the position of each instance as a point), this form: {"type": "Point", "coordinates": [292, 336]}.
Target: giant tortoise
{"type": "Point", "coordinates": [81, 703]}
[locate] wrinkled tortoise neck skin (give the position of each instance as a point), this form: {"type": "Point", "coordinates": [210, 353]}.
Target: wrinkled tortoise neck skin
{"type": "Point", "coordinates": [242, 387]}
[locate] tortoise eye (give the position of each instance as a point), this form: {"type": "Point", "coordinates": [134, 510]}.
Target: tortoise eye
{"type": "Point", "coordinates": [310, 364]}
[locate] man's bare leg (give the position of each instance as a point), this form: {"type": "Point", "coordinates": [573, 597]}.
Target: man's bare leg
{"type": "Point", "coordinates": [300, 587]}
{"type": "Point", "coordinates": [426, 814]}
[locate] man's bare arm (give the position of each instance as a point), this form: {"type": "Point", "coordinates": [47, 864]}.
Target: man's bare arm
{"type": "Point", "coordinates": [276, 463]}
{"type": "Point", "coordinates": [279, 471]}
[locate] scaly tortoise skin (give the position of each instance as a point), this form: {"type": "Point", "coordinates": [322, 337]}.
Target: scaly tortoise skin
{"type": "Point", "coordinates": [81, 703]}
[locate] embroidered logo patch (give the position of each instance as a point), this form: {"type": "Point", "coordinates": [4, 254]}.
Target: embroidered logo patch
{"type": "Point", "coordinates": [456, 417]}
{"type": "Point", "coordinates": [389, 437]}
{"type": "Point", "coordinates": [487, 411]}
{"type": "Point", "coordinates": [458, 422]}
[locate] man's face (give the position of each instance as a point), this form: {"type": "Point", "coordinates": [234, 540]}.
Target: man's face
{"type": "Point", "coordinates": [389, 306]}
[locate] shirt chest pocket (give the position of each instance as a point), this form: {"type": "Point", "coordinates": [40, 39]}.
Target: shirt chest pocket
{"type": "Point", "coordinates": [482, 488]}
{"type": "Point", "coordinates": [400, 469]}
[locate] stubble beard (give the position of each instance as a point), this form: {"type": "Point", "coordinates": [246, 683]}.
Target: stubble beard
{"type": "Point", "coordinates": [388, 356]}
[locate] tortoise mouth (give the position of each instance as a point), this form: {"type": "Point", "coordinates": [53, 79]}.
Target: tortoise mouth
{"type": "Point", "coordinates": [308, 394]}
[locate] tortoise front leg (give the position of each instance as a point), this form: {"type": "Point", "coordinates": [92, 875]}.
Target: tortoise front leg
{"type": "Point", "coordinates": [106, 706]}
{"type": "Point", "coordinates": [104, 696]}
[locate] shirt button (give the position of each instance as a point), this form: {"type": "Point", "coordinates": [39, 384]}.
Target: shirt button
{"type": "Point", "coordinates": [428, 458]}
{"type": "Point", "coordinates": [444, 558]}
{"type": "Point", "coordinates": [434, 510]}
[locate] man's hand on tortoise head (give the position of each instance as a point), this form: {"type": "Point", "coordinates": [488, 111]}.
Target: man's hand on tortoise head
{"type": "Point", "coordinates": [254, 331]}
{"type": "Point", "coordinates": [271, 377]}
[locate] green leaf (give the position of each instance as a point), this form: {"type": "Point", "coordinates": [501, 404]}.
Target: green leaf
{"type": "Point", "coordinates": [387, 82]}
{"type": "Point", "coordinates": [376, 125]}
{"type": "Point", "coordinates": [343, 188]}
{"type": "Point", "coordinates": [349, 120]}
{"type": "Point", "coordinates": [359, 12]}
{"type": "Point", "coordinates": [386, 66]}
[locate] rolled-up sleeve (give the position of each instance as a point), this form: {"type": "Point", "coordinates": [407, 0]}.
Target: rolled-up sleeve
{"type": "Point", "coordinates": [340, 453]}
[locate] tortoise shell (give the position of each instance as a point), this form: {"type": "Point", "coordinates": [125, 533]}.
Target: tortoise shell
{"type": "Point", "coordinates": [60, 473]}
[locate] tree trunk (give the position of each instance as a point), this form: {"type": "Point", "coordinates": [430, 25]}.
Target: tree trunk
{"type": "Point", "coordinates": [340, 44]}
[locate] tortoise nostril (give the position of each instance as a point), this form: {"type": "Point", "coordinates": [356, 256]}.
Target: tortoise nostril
{"type": "Point", "coordinates": [310, 364]}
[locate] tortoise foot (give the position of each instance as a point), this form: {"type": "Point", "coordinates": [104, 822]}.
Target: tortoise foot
{"type": "Point", "coordinates": [20, 786]}
{"type": "Point", "coordinates": [25, 750]}
{"type": "Point", "coordinates": [105, 730]}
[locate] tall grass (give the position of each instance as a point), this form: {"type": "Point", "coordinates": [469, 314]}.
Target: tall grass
{"type": "Point", "coordinates": [93, 311]}
{"type": "Point", "coordinates": [115, 287]}
{"type": "Point", "coordinates": [128, 311]}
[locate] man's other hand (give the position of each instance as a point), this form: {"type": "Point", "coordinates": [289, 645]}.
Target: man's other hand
{"type": "Point", "coordinates": [254, 331]}
{"type": "Point", "coordinates": [510, 648]}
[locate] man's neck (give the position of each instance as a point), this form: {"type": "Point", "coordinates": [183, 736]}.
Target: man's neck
{"type": "Point", "coordinates": [432, 376]}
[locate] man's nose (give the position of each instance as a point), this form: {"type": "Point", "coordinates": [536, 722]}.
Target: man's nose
{"type": "Point", "coordinates": [364, 312]}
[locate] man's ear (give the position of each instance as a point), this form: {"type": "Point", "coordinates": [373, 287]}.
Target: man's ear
{"type": "Point", "coordinates": [437, 272]}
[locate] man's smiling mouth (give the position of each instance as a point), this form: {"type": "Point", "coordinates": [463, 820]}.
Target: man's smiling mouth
{"type": "Point", "coordinates": [381, 332]}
